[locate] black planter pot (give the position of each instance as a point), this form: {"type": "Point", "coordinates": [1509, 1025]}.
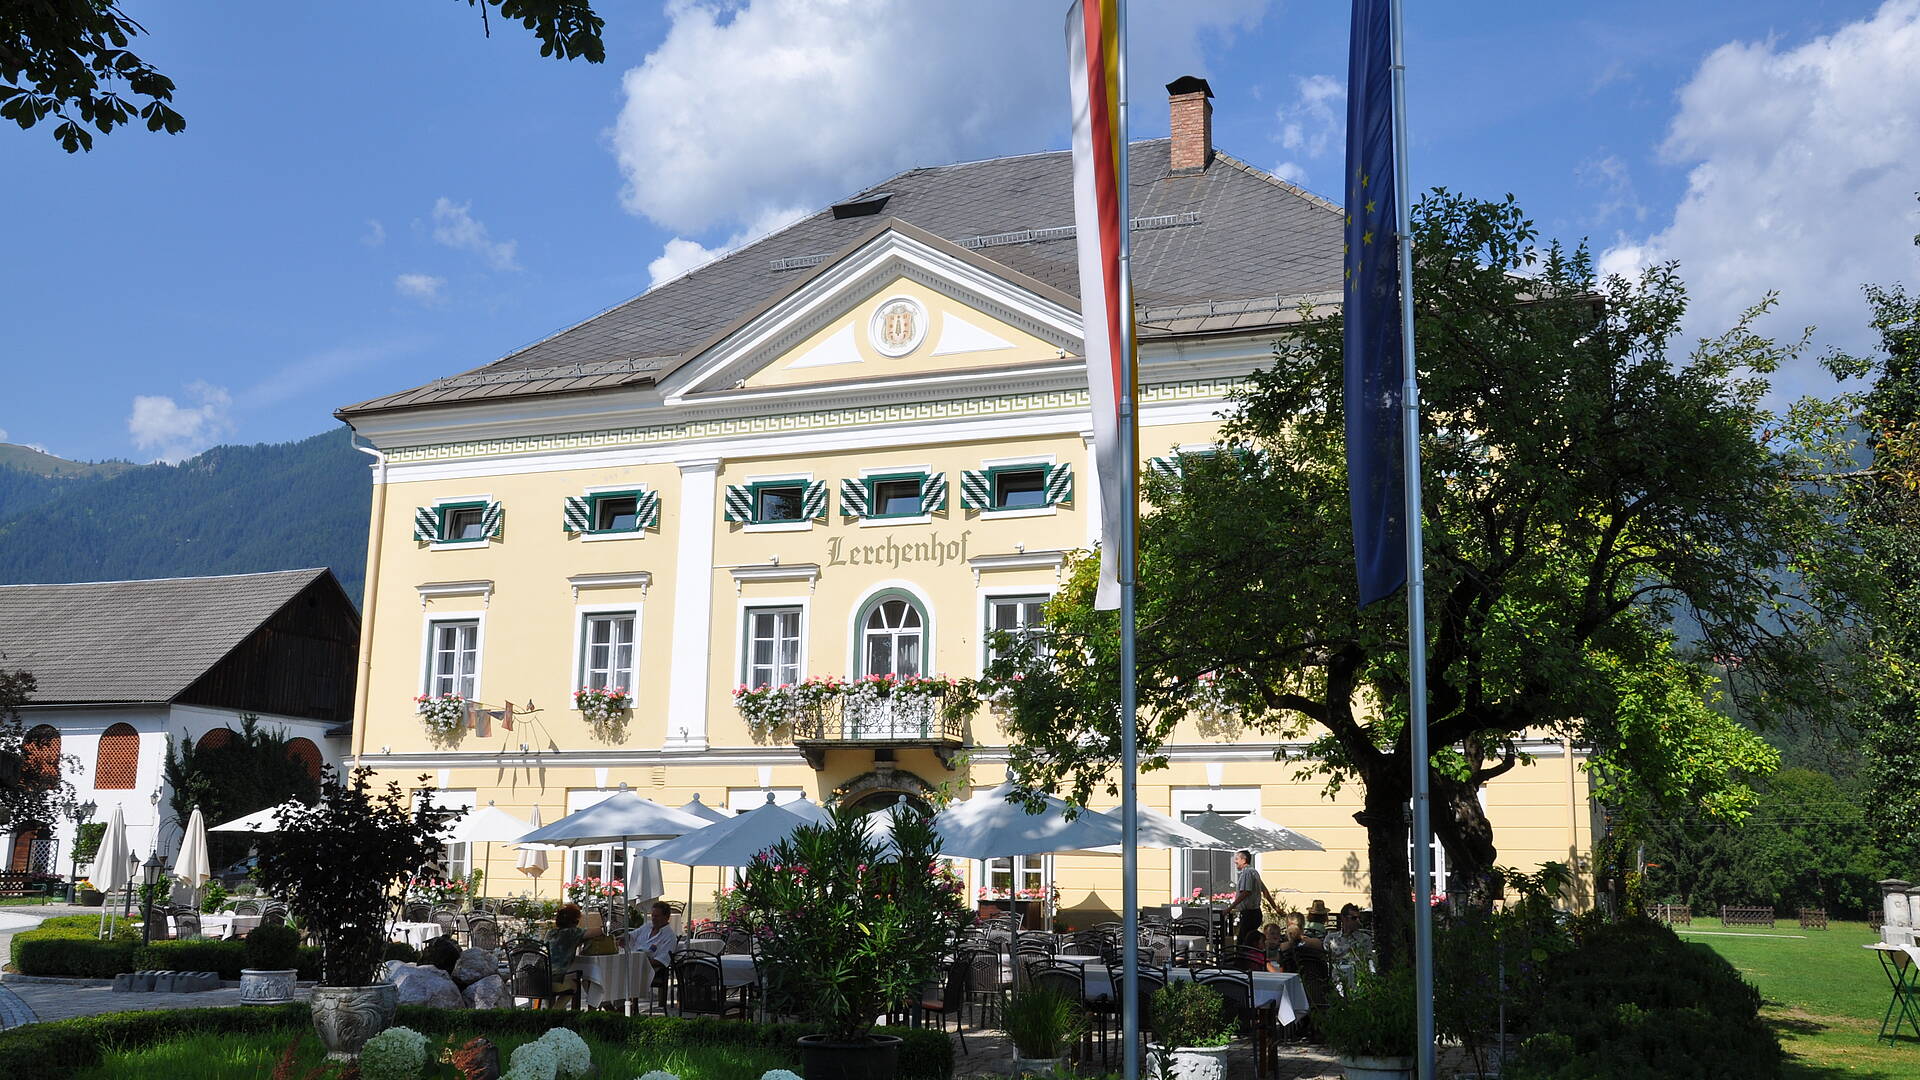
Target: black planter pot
{"type": "Point", "coordinates": [877, 1057]}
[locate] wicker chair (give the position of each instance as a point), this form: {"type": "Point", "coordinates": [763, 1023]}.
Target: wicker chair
{"type": "Point", "coordinates": [701, 986]}
{"type": "Point", "coordinates": [984, 988]}
{"type": "Point", "coordinates": [186, 925]}
{"type": "Point", "coordinates": [483, 932]}
{"type": "Point", "coordinates": [951, 1002]}
{"type": "Point", "coordinates": [1236, 987]}
{"type": "Point", "coordinates": [246, 907]}
{"type": "Point", "coordinates": [416, 911]}
{"type": "Point", "coordinates": [448, 917]}
{"type": "Point", "coordinates": [530, 975]}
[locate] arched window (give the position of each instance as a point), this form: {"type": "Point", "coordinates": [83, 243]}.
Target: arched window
{"type": "Point", "coordinates": [41, 750]}
{"type": "Point", "coordinates": [215, 739]}
{"type": "Point", "coordinates": [119, 759]}
{"type": "Point", "coordinates": [893, 638]}
{"type": "Point", "coordinates": [307, 754]}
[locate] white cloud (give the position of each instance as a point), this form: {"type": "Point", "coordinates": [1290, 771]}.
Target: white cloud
{"type": "Point", "coordinates": [1801, 179]}
{"type": "Point", "coordinates": [1310, 125]}
{"type": "Point", "coordinates": [422, 287]}
{"type": "Point", "coordinates": [3, 434]}
{"type": "Point", "coordinates": [375, 235]}
{"type": "Point", "coordinates": [455, 226]}
{"type": "Point", "coordinates": [160, 425]}
{"type": "Point", "coordinates": [682, 255]}
{"type": "Point", "coordinates": [749, 106]}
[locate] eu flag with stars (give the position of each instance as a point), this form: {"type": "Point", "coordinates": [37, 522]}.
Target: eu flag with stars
{"type": "Point", "coordinates": [1376, 478]}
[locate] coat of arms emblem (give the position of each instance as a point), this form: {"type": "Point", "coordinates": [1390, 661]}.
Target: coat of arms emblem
{"type": "Point", "coordinates": [898, 326]}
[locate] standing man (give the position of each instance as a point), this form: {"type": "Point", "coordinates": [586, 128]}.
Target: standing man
{"type": "Point", "coordinates": [1248, 890]}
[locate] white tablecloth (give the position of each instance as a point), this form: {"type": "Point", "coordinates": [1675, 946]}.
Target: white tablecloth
{"type": "Point", "coordinates": [1189, 942]}
{"type": "Point", "coordinates": [619, 977]}
{"type": "Point", "coordinates": [220, 926]}
{"type": "Point", "coordinates": [1269, 988]}
{"type": "Point", "coordinates": [415, 934]}
{"type": "Point", "coordinates": [713, 945]}
{"type": "Point", "coordinates": [737, 970]}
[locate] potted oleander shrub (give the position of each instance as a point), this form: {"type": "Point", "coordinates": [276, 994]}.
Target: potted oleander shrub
{"type": "Point", "coordinates": [1371, 1030]}
{"type": "Point", "coordinates": [1043, 1024]}
{"type": "Point", "coordinates": [335, 863]}
{"type": "Point", "coordinates": [1191, 1030]}
{"type": "Point", "coordinates": [847, 930]}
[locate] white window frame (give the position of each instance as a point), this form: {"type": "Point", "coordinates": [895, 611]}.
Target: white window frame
{"type": "Point", "coordinates": [581, 614]}
{"type": "Point", "coordinates": [460, 545]}
{"type": "Point", "coordinates": [607, 855]}
{"type": "Point", "coordinates": [857, 618]}
{"type": "Point", "coordinates": [803, 525]}
{"type": "Point", "coordinates": [742, 625]}
{"type": "Point", "coordinates": [987, 595]}
{"type": "Point", "coordinates": [866, 611]}
{"type": "Point", "coordinates": [429, 625]}
{"type": "Point", "coordinates": [1019, 865]}
{"type": "Point", "coordinates": [744, 649]}
{"type": "Point", "coordinates": [1186, 800]}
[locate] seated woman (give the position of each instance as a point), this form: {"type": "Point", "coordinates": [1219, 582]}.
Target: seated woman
{"type": "Point", "coordinates": [563, 944]}
{"type": "Point", "coordinates": [1282, 945]}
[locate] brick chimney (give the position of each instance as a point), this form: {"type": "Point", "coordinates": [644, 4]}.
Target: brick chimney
{"type": "Point", "coordinates": [1192, 115]}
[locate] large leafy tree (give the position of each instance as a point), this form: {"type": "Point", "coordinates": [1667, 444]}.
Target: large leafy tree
{"type": "Point", "coordinates": [70, 60]}
{"type": "Point", "coordinates": [1589, 488]}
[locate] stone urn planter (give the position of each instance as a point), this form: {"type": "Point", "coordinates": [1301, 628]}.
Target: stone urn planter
{"type": "Point", "coordinates": [1376, 1068]}
{"type": "Point", "coordinates": [266, 987]}
{"type": "Point", "coordinates": [877, 1057]}
{"type": "Point", "coordinates": [345, 1017]}
{"type": "Point", "coordinates": [1189, 1063]}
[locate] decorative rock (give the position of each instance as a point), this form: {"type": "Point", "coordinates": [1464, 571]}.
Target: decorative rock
{"type": "Point", "coordinates": [123, 982]}
{"type": "Point", "coordinates": [143, 982]}
{"type": "Point", "coordinates": [474, 965]}
{"type": "Point", "coordinates": [489, 993]}
{"type": "Point", "coordinates": [424, 984]}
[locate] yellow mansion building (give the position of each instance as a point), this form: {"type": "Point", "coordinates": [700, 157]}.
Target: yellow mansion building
{"type": "Point", "coordinates": [851, 447]}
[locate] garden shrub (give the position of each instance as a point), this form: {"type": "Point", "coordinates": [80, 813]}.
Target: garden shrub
{"type": "Point", "coordinates": [225, 957]}
{"type": "Point", "coordinates": [441, 952]}
{"type": "Point", "coordinates": [56, 1049]}
{"type": "Point", "coordinates": [271, 948]}
{"type": "Point", "coordinates": [401, 951]}
{"type": "Point", "coordinates": [72, 953]}
{"type": "Point", "coordinates": [1634, 1002]}
{"type": "Point", "coordinates": [306, 961]}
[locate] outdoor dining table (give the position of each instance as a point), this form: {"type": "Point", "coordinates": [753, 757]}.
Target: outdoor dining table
{"type": "Point", "coordinates": [416, 934]}
{"type": "Point", "coordinates": [221, 926]}
{"type": "Point", "coordinates": [1280, 989]}
{"type": "Point", "coordinates": [738, 970]}
{"type": "Point", "coordinates": [615, 977]}
{"type": "Point", "coordinates": [1188, 943]}
{"type": "Point", "coordinates": [1901, 963]}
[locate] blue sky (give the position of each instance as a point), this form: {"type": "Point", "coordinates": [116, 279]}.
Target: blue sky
{"type": "Point", "coordinates": [370, 195]}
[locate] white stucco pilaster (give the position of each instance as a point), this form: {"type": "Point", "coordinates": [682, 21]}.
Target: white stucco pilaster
{"type": "Point", "coordinates": [690, 674]}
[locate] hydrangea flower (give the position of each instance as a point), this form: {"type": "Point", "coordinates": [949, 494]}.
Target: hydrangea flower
{"type": "Point", "coordinates": [532, 1061]}
{"type": "Point", "coordinates": [570, 1053]}
{"type": "Point", "coordinates": [397, 1053]}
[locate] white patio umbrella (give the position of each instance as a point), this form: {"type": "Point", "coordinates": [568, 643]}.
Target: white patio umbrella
{"type": "Point", "coordinates": [191, 865]}
{"type": "Point", "coordinates": [533, 858]}
{"type": "Point", "coordinates": [734, 839]}
{"type": "Point", "coordinates": [260, 821]}
{"type": "Point", "coordinates": [1157, 830]}
{"type": "Point", "coordinates": [1249, 832]}
{"type": "Point", "coordinates": [111, 869]}
{"type": "Point", "coordinates": [987, 826]}
{"type": "Point", "coordinates": [619, 819]}
{"type": "Point", "coordinates": [488, 825]}
{"type": "Point", "coordinates": [701, 810]}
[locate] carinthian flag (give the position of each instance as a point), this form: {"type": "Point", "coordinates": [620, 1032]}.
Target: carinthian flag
{"type": "Point", "coordinates": [1093, 57]}
{"type": "Point", "coordinates": [1376, 478]}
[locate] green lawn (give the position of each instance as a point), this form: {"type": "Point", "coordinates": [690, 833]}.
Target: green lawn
{"type": "Point", "coordinates": [1824, 996]}
{"type": "Point", "coordinates": [253, 1057]}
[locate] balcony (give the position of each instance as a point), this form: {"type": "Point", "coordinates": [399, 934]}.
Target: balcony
{"type": "Point", "coordinates": [902, 721]}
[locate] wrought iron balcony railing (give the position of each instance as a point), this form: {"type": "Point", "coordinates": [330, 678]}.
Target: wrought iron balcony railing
{"type": "Point", "coordinates": [900, 720]}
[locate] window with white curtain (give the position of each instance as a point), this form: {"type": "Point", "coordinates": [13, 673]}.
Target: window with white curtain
{"type": "Point", "coordinates": [607, 643]}
{"type": "Point", "coordinates": [454, 664]}
{"type": "Point", "coordinates": [773, 647]}
{"type": "Point", "coordinates": [891, 634]}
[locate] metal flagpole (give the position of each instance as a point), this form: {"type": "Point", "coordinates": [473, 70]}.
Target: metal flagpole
{"type": "Point", "coordinates": [1129, 529]}
{"type": "Point", "coordinates": [1416, 576]}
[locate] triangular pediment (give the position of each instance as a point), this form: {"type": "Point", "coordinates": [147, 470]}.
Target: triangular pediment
{"type": "Point", "coordinates": [899, 305]}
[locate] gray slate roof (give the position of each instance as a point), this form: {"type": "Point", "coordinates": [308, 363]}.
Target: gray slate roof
{"type": "Point", "coordinates": [134, 641]}
{"type": "Point", "coordinates": [1239, 237]}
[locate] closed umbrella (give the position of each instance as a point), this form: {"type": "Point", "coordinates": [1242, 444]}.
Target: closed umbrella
{"type": "Point", "coordinates": [488, 825]}
{"type": "Point", "coordinates": [260, 821]}
{"type": "Point", "coordinates": [110, 870]}
{"type": "Point", "coordinates": [191, 865]}
{"type": "Point", "coordinates": [533, 860]}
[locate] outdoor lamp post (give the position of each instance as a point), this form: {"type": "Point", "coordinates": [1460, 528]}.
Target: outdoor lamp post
{"type": "Point", "coordinates": [82, 814]}
{"type": "Point", "coordinates": [149, 875]}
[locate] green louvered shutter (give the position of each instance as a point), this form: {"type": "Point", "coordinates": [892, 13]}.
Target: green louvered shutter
{"type": "Point", "coordinates": [1168, 467]}
{"type": "Point", "coordinates": [426, 524]}
{"type": "Point", "coordinates": [574, 514]}
{"type": "Point", "coordinates": [739, 504]}
{"type": "Point", "coordinates": [493, 521]}
{"type": "Point", "coordinates": [853, 498]}
{"type": "Point", "coordinates": [975, 492]}
{"type": "Point", "coordinates": [1060, 484]}
{"type": "Point", "coordinates": [933, 493]}
{"type": "Point", "coordinates": [813, 506]}
{"type": "Point", "coordinates": [646, 510]}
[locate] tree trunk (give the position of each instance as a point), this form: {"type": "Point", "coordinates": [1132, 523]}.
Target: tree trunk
{"type": "Point", "coordinates": [1391, 883]}
{"type": "Point", "coordinates": [1467, 835]}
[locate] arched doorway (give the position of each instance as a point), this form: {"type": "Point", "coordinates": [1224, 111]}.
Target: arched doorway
{"type": "Point", "coordinates": [876, 791]}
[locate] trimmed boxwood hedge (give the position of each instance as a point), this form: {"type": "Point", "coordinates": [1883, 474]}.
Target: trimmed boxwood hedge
{"type": "Point", "coordinates": [54, 1050]}
{"type": "Point", "coordinates": [1635, 1002]}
